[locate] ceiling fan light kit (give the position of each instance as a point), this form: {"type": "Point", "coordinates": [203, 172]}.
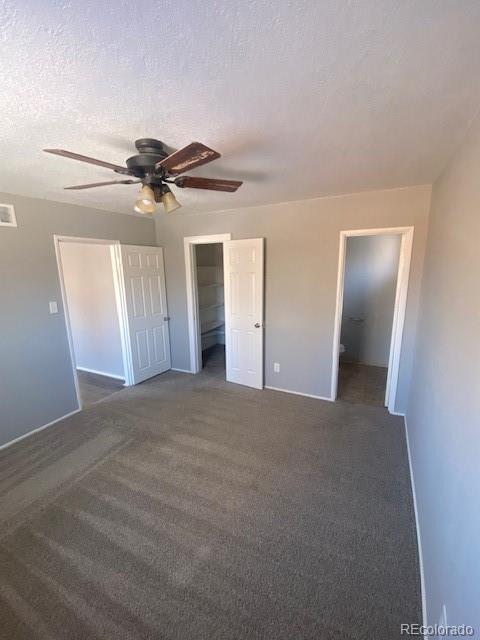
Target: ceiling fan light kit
{"type": "Point", "coordinates": [169, 201]}
{"type": "Point", "coordinates": [155, 169]}
{"type": "Point", "coordinates": [146, 200]}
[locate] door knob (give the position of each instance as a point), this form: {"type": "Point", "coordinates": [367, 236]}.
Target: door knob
{"type": "Point", "coordinates": [257, 325]}
{"type": "Point", "coordinates": [166, 318]}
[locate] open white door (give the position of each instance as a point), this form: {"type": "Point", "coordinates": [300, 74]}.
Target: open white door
{"type": "Point", "coordinates": [243, 268]}
{"type": "Point", "coordinates": [148, 339]}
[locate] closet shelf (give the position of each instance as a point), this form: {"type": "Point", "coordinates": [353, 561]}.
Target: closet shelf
{"type": "Point", "coordinates": [210, 326]}
{"type": "Point", "coordinates": [211, 306]}
{"type": "Point", "coordinates": [211, 284]}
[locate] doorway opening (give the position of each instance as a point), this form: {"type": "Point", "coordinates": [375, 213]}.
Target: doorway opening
{"type": "Point", "coordinates": [123, 313]}
{"type": "Point", "coordinates": [372, 288]}
{"type": "Point", "coordinates": [93, 314]}
{"type": "Point", "coordinates": [371, 268]}
{"type": "Point", "coordinates": [211, 306]}
{"type": "Point", "coordinates": [205, 301]}
{"type": "Point", "coordinates": [225, 283]}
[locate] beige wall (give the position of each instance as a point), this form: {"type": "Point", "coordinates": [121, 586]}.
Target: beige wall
{"type": "Point", "coordinates": [302, 242]}
{"type": "Point", "coordinates": [36, 379]}
{"type": "Point", "coordinates": [444, 412]}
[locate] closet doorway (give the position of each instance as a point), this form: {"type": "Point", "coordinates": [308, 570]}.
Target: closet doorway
{"type": "Point", "coordinates": [211, 306]}
{"type": "Point", "coordinates": [224, 282]}
{"type": "Point", "coordinates": [205, 290]}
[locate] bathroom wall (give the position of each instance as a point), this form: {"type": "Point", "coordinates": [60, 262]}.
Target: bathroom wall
{"type": "Point", "coordinates": [371, 267]}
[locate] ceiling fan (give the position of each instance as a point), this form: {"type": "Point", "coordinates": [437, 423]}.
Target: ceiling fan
{"type": "Point", "coordinates": [155, 170]}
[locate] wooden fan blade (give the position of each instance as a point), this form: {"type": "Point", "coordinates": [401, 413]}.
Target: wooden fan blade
{"type": "Point", "coordinates": [215, 184]}
{"type": "Point", "coordinates": [191, 156]}
{"type": "Point", "coordinates": [99, 163]}
{"type": "Point", "coordinates": [102, 184]}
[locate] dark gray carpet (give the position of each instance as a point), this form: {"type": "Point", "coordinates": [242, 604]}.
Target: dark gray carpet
{"type": "Point", "coordinates": [190, 508]}
{"type": "Point", "coordinates": [94, 387]}
{"type": "Point", "coordinates": [213, 360]}
{"type": "Point", "coordinates": [362, 383]}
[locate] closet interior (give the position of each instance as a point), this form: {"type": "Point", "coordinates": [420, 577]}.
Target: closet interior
{"type": "Point", "coordinates": [211, 311]}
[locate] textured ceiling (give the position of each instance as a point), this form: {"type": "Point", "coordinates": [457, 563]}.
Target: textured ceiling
{"type": "Point", "coordinates": [302, 98]}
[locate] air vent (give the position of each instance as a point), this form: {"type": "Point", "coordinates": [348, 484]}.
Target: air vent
{"type": "Point", "coordinates": [7, 216]}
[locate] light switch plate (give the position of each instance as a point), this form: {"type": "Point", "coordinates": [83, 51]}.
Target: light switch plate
{"type": "Point", "coordinates": [53, 306]}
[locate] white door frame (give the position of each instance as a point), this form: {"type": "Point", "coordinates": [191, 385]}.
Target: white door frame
{"type": "Point", "coordinates": [194, 338]}
{"type": "Point", "coordinates": [398, 313]}
{"type": "Point", "coordinates": [120, 300]}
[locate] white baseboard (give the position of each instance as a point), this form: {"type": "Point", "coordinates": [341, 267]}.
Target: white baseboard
{"type": "Point", "coordinates": [45, 426]}
{"type": "Point", "coordinates": [397, 413]}
{"type": "Point", "coordinates": [299, 393]}
{"type": "Point", "coordinates": [101, 373]}
{"type": "Point", "coordinates": [417, 523]}
{"type": "Point", "coordinates": [181, 370]}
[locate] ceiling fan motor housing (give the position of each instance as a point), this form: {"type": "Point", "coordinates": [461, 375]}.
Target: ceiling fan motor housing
{"type": "Point", "coordinates": [150, 151]}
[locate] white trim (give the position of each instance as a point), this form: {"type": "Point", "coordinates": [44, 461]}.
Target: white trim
{"type": "Point", "coordinates": [417, 526]}
{"type": "Point", "coordinates": [45, 426]}
{"type": "Point", "coordinates": [100, 373]}
{"type": "Point", "coordinates": [180, 370]}
{"type": "Point", "coordinates": [398, 318]}
{"type": "Point", "coordinates": [82, 240]}
{"type": "Point", "coordinates": [298, 393]}
{"type": "Point", "coordinates": [338, 316]}
{"type": "Point", "coordinates": [399, 309]}
{"type": "Point", "coordinates": [115, 244]}
{"type": "Point", "coordinates": [121, 301]}
{"type": "Point", "coordinates": [194, 341]}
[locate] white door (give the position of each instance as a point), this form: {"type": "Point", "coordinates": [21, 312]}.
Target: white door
{"type": "Point", "coordinates": [243, 267]}
{"type": "Point", "coordinates": [146, 310]}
